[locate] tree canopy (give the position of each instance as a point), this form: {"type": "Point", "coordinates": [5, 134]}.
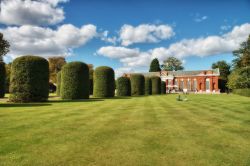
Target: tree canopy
{"type": "Point", "coordinates": [154, 66]}
{"type": "Point", "coordinates": [224, 68]}
{"type": "Point", "coordinates": [55, 65]}
{"type": "Point", "coordinates": [242, 55]}
{"type": "Point", "coordinates": [240, 77]}
{"type": "Point", "coordinates": [4, 46]}
{"type": "Point", "coordinates": [172, 64]}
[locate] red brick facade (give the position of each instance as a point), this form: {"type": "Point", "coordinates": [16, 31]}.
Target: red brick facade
{"type": "Point", "coordinates": [193, 81]}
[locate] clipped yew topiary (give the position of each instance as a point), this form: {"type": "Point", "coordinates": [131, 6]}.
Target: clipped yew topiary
{"type": "Point", "coordinates": [2, 79]}
{"type": "Point", "coordinates": [137, 84]}
{"type": "Point", "coordinates": [163, 87]}
{"type": "Point", "coordinates": [148, 86]}
{"type": "Point", "coordinates": [29, 80]}
{"type": "Point", "coordinates": [75, 81]}
{"type": "Point", "coordinates": [58, 83]}
{"type": "Point", "coordinates": [123, 86]}
{"type": "Point", "coordinates": [156, 85]}
{"type": "Point", "coordinates": [104, 82]}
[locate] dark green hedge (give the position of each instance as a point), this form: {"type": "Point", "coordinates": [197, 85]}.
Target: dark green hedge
{"type": "Point", "coordinates": [156, 85]}
{"type": "Point", "coordinates": [104, 82]}
{"type": "Point", "coordinates": [163, 87]}
{"type": "Point", "coordinates": [137, 84]}
{"type": "Point", "coordinates": [29, 81]}
{"type": "Point", "coordinates": [148, 86]}
{"type": "Point", "coordinates": [2, 79]}
{"type": "Point", "coordinates": [58, 83]}
{"type": "Point", "coordinates": [123, 86]}
{"type": "Point", "coordinates": [91, 86]}
{"type": "Point", "coordinates": [242, 92]}
{"type": "Point", "coordinates": [75, 81]}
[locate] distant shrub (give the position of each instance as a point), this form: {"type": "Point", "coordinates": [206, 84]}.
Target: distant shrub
{"type": "Point", "coordinates": [123, 86]}
{"type": "Point", "coordinates": [163, 87]}
{"type": "Point", "coordinates": [137, 84]}
{"type": "Point", "coordinates": [75, 81]}
{"type": "Point", "coordinates": [2, 79]}
{"type": "Point", "coordinates": [58, 82]}
{"type": "Point", "coordinates": [242, 92]}
{"type": "Point", "coordinates": [29, 80]}
{"type": "Point", "coordinates": [156, 85]}
{"type": "Point", "coordinates": [148, 86]}
{"type": "Point", "coordinates": [104, 82]}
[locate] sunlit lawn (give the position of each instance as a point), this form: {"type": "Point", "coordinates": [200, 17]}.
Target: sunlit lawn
{"type": "Point", "coordinates": [151, 130]}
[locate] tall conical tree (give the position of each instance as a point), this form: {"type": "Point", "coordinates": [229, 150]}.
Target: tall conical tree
{"type": "Point", "coordinates": [154, 66]}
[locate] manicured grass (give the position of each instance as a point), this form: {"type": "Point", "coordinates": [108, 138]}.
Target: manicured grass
{"type": "Point", "coordinates": [151, 130]}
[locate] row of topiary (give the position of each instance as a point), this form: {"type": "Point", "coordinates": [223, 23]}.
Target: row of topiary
{"type": "Point", "coordinates": [29, 81]}
{"type": "Point", "coordinates": [138, 85]}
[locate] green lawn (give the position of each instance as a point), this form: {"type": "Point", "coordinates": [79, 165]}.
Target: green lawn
{"type": "Point", "coordinates": [152, 130]}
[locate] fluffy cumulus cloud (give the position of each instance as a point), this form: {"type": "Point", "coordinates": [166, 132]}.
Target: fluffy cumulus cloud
{"type": "Point", "coordinates": [31, 12]}
{"type": "Point", "coordinates": [144, 33]}
{"type": "Point", "coordinates": [47, 42]}
{"type": "Point", "coordinates": [204, 46]}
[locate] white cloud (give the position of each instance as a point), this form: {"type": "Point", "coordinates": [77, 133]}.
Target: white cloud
{"type": "Point", "coordinates": [120, 71]}
{"type": "Point", "coordinates": [204, 46]}
{"type": "Point", "coordinates": [210, 45]}
{"type": "Point", "coordinates": [104, 37]}
{"type": "Point", "coordinates": [118, 52]}
{"type": "Point", "coordinates": [225, 27]}
{"type": "Point", "coordinates": [47, 42]}
{"type": "Point", "coordinates": [30, 12]}
{"type": "Point", "coordinates": [144, 33]}
{"type": "Point", "coordinates": [199, 18]}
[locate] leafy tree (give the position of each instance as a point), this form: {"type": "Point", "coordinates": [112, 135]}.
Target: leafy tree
{"type": "Point", "coordinates": [154, 66]}
{"type": "Point", "coordinates": [223, 67]}
{"type": "Point", "coordinates": [7, 79]}
{"type": "Point", "coordinates": [172, 64]}
{"type": "Point", "coordinates": [4, 47]}
{"type": "Point", "coordinates": [239, 78]}
{"type": "Point", "coordinates": [242, 55]}
{"type": "Point", "coordinates": [55, 65]}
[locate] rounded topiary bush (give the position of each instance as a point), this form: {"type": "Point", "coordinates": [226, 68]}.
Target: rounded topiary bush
{"type": "Point", "coordinates": [156, 85]}
{"type": "Point", "coordinates": [58, 83]}
{"type": "Point", "coordinates": [163, 87]}
{"type": "Point", "coordinates": [123, 86]}
{"type": "Point", "coordinates": [148, 86]}
{"type": "Point", "coordinates": [137, 84]}
{"type": "Point", "coordinates": [75, 81]}
{"type": "Point", "coordinates": [2, 79]}
{"type": "Point", "coordinates": [104, 82]}
{"type": "Point", "coordinates": [29, 80]}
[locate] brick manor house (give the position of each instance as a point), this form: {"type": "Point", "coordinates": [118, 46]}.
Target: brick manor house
{"type": "Point", "coordinates": [200, 81]}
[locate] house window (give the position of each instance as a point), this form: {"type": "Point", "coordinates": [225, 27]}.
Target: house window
{"type": "Point", "coordinates": [169, 82]}
{"type": "Point", "coordinates": [207, 84]}
{"type": "Point", "coordinates": [176, 83]}
{"type": "Point", "coordinates": [188, 85]}
{"type": "Point", "coordinates": [195, 85]}
{"type": "Point", "coordinates": [181, 84]}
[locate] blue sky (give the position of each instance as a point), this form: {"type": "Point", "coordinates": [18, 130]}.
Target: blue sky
{"type": "Point", "coordinates": [194, 24]}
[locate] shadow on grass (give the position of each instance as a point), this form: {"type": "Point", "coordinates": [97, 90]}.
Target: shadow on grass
{"type": "Point", "coordinates": [24, 104]}
{"type": "Point", "coordinates": [112, 98]}
{"type": "Point", "coordinates": [77, 100]}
